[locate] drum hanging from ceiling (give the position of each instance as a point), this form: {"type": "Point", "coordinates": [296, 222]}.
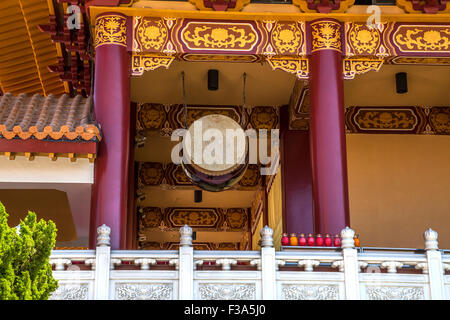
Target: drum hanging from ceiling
{"type": "Point", "coordinates": [215, 152]}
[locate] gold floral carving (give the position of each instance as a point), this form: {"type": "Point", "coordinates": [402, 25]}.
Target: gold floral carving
{"type": "Point", "coordinates": [151, 116]}
{"type": "Point", "coordinates": [353, 67]}
{"type": "Point", "coordinates": [213, 36]}
{"type": "Point", "coordinates": [396, 119]}
{"type": "Point", "coordinates": [152, 34]}
{"type": "Point", "coordinates": [423, 38]}
{"type": "Point", "coordinates": [364, 40]}
{"type": "Point", "coordinates": [110, 29]}
{"type": "Point", "coordinates": [151, 217]}
{"type": "Point", "coordinates": [297, 66]}
{"type": "Point", "coordinates": [326, 35]}
{"type": "Point", "coordinates": [287, 38]}
{"type": "Point", "coordinates": [440, 120]}
{"type": "Point", "coordinates": [141, 63]}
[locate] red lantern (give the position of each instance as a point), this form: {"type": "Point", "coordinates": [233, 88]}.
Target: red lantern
{"type": "Point", "coordinates": [337, 240]}
{"type": "Point", "coordinates": [302, 240]}
{"type": "Point", "coordinates": [328, 241]}
{"type": "Point", "coordinates": [319, 240]}
{"type": "Point", "coordinates": [285, 239]}
{"type": "Point", "coordinates": [311, 241]}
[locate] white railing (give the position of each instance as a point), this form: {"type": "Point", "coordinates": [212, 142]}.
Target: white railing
{"type": "Point", "coordinates": [301, 273]}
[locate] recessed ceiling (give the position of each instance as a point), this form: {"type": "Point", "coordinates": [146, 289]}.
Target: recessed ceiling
{"type": "Point", "coordinates": [264, 87]}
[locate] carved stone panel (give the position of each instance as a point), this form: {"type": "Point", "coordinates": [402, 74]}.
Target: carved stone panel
{"type": "Point", "coordinates": [220, 291]}
{"type": "Point", "coordinates": [146, 291]}
{"type": "Point", "coordinates": [394, 293]}
{"type": "Point", "coordinates": [310, 292]}
{"type": "Point", "coordinates": [70, 291]}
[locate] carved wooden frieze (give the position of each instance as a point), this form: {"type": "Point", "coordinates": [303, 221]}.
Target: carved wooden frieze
{"type": "Point", "coordinates": [156, 174]}
{"type": "Point", "coordinates": [172, 218]}
{"type": "Point", "coordinates": [417, 120]}
{"type": "Point", "coordinates": [164, 119]}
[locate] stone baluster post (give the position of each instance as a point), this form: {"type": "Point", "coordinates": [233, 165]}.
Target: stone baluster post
{"type": "Point", "coordinates": [268, 268]}
{"type": "Point", "coordinates": [351, 266]}
{"type": "Point", "coordinates": [186, 265]}
{"type": "Point", "coordinates": [102, 263]}
{"type": "Point", "coordinates": [435, 268]}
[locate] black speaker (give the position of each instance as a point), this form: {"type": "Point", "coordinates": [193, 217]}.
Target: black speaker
{"type": "Point", "coordinates": [197, 196]}
{"type": "Point", "coordinates": [401, 82]}
{"type": "Point", "coordinates": [213, 79]}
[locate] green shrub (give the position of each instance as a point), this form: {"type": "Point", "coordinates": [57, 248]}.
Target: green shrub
{"type": "Point", "coordinates": [25, 271]}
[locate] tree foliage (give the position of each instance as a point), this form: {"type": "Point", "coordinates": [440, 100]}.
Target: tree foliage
{"type": "Point", "coordinates": [25, 271]}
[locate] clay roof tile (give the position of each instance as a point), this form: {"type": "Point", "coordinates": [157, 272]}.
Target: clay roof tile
{"type": "Point", "coordinates": [51, 118]}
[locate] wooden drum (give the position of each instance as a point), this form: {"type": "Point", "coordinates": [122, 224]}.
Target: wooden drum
{"type": "Point", "coordinates": [215, 152]}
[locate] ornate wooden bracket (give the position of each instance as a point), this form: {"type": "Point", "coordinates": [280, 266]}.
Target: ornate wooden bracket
{"type": "Point", "coordinates": [148, 62]}
{"type": "Point", "coordinates": [220, 5]}
{"type": "Point", "coordinates": [353, 67]}
{"type": "Point", "coordinates": [425, 6]}
{"type": "Point", "coordinates": [323, 6]}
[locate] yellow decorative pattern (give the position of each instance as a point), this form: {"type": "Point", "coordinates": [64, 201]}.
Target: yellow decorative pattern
{"type": "Point", "coordinates": [219, 58]}
{"type": "Point", "coordinates": [353, 67]}
{"type": "Point", "coordinates": [141, 63]}
{"type": "Point", "coordinates": [213, 36]}
{"type": "Point", "coordinates": [297, 66]}
{"type": "Point", "coordinates": [110, 29]}
{"type": "Point", "coordinates": [326, 35]}
{"type": "Point", "coordinates": [423, 38]}
{"type": "Point", "coordinates": [364, 40]}
{"type": "Point", "coordinates": [421, 61]}
{"type": "Point", "coordinates": [152, 34]}
{"type": "Point", "coordinates": [287, 38]}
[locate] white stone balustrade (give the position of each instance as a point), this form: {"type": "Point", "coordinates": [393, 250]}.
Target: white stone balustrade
{"type": "Point", "coordinates": [259, 275]}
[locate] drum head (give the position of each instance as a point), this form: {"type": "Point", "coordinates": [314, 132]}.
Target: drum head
{"type": "Point", "coordinates": [215, 145]}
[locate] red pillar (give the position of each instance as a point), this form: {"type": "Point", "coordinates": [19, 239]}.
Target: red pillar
{"type": "Point", "coordinates": [296, 178]}
{"type": "Point", "coordinates": [112, 111]}
{"type": "Point", "coordinates": [328, 150]}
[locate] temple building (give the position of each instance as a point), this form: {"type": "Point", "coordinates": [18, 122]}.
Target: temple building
{"type": "Point", "coordinates": [355, 95]}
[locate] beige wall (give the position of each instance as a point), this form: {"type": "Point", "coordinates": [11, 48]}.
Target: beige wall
{"type": "Point", "coordinates": [399, 186]}
{"type": "Point", "coordinates": [275, 209]}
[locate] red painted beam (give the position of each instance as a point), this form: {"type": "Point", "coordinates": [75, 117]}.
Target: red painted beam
{"type": "Point", "coordinates": [43, 146]}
